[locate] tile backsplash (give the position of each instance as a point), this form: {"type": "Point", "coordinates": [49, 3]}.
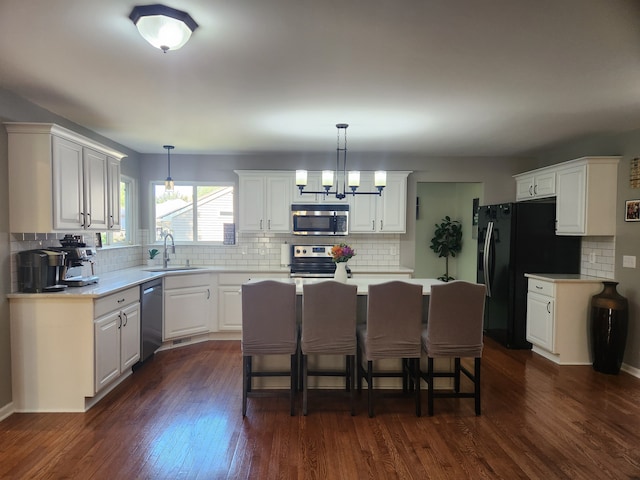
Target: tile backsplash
{"type": "Point", "coordinates": [263, 250]}
{"type": "Point", "coordinates": [255, 250]}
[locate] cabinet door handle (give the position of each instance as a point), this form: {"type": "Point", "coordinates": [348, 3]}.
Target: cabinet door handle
{"type": "Point", "coordinates": [530, 189]}
{"type": "Point", "coordinates": [88, 224]}
{"type": "Point", "coordinates": [260, 224]}
{"type": "Point", "coordinates": [373, 225]}
{"type": "Point", "coordinates": [120, 321]}
{"type": "Point", "coordinates": [535, 189]}
{"type": "Point", "coordinates": [381, 225]}
{"type": "Point", "coordinates": [84, 219]}
{"type": "Point", "coordinates": [126, 319]}
{"type": "Point", "coordinates": [112, 221]}
{"type": "Point", "coordinates": [208, 294]}
{"type": "Point", "coordinates": [269, 224]}
{"type": "Point", "coordinates": [548, 307]}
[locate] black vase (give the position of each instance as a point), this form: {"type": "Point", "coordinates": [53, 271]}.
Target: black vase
{"type": "Point", "coordinates": [609, 323]}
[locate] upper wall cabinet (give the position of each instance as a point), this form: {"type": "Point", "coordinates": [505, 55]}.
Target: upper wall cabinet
{"type": "Point", "coordinates": [380, 214]}
{"type": "Point", "coordinates": [264, 200]}
{"type": "Point", "coordinates": [61, 181]}
{"type": "Point", "coordinates": [587, 196]}
{"type": "Point", "coordinates": [538, 184]}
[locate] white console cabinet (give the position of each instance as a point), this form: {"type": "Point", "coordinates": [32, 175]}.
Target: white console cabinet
{"type": "Point", "coordinates": [558, 308]}
{"type": "Point", "coordinates": [60, 180]}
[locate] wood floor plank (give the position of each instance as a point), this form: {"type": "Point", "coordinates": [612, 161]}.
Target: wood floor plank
{"type": "Point", "coordinates": [179, 417]}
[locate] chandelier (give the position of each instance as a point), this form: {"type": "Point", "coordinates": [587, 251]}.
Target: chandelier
{"type": "Point", "coordinates": [350, 179]}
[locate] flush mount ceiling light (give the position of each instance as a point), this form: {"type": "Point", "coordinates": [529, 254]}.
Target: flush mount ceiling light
{"type": "Point", "coordinates": [352, 179]}
{"type": "Point", "coordinates": [168, 183]}
{"type": "Point", "coordinates": [163, 27]}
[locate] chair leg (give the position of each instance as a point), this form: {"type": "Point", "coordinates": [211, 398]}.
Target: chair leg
{"type": "Point", "coordinates": [416, 381]}
{"type": "Point", "coordinates": [476, 373]}
{"type": "Point", "coordinates": [294, 379]}
{"type": "Point", "coordinates": [359, 371]}
{"type": "Point", "coordinates": [405, 374]}
{"type": "Point", "coordinates": [305, 379]}
{"type": "Point", "coordinates": [456, 380]}
{"type": "Point", "coordinates": [352, 394]}
{"type": "Point", "coordinates": [246, 381]}
{"type": "Point", "coordinates": [430, 385]}
{"type": "Point", "coordinates": [370, 386]}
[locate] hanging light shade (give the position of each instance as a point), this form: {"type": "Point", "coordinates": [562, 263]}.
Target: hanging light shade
{"type": "Point", "coordinates": [168, 183]}
{"type": "Point", "coordinates": [350, 179]}
{"type": "Point", "coordinates": [163, 27]}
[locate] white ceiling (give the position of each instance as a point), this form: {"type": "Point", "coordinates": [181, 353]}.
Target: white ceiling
{"type": "Point", "coordinates": [432, 77]}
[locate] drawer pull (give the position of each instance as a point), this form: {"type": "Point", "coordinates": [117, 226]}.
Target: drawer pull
{"type": "Point", "coordinates": [539, 287]}
{"type": "Point", "coordinates": [121, 300]}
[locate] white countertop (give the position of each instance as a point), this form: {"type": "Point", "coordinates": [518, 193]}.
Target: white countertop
{"type": "Point", "coordinates": [567, 277]}
{"type": "Point", "coordinates": [361, 282]}
{"type": "Point", "coordinates": [112, 282]}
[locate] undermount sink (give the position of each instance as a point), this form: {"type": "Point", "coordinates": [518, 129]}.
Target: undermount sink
{"type": "Point", "coordinates": [173, 268]}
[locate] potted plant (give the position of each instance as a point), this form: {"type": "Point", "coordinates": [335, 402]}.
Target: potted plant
{"type": "Point", "coordinates": [153, 253]}
{"type": "Point", "coordinates": [447, 241]}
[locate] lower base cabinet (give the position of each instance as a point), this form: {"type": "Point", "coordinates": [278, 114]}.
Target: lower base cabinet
{"type": "Point", "coordinates": [557, 317]}
{"type": "Point", "coordinates": [230, 298]}
{"type": "Point", "coordinates": [188, 301]}
{"type": "Point", "coordinates": [117, 340]}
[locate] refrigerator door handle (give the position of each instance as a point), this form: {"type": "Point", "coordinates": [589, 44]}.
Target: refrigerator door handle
{"type": "Point", "coordinates": [485, 259]}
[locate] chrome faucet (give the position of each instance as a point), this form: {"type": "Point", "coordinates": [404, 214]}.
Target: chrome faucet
{"type": "Point", "coordinates": [165, 256]}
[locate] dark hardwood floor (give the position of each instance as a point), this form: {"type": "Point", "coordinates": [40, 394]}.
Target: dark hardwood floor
{"type": "Point", "coordinates": [179, 417]}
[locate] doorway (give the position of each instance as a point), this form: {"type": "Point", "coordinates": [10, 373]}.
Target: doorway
{"type": "Point", "coordinates": [437, 200]}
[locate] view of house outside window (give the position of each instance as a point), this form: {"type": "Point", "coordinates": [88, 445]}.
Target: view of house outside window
{"type": "Point", "coordinates": [193, 212]}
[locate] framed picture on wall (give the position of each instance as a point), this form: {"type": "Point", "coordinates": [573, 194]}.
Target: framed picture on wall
{"type": "Point", "coordinates": [632, 211]}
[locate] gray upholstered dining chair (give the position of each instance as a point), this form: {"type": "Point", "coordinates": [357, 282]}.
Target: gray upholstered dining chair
{"type": "Point", "coordinates": [329, 328]}
{"type": "Point", "coordinates": [393, 328]}
{"type": "Point", "coordinates": [268, 328]}
{"type": "Point", "coordinates": [454, 330]}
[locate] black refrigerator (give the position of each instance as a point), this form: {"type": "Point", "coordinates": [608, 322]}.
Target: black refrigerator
{"type": "Point", "coordinates": [514, 239]}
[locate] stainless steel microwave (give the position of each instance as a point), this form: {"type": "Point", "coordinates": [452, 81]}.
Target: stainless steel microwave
{"type": "Point", "coordinates": [320, 219]}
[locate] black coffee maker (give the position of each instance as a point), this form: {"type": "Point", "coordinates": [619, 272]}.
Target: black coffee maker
{"type": "Point", "coordinates": [41, 271]}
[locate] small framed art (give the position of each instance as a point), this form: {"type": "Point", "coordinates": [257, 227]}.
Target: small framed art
{"type": "Point", "coordinates": [632, 211]}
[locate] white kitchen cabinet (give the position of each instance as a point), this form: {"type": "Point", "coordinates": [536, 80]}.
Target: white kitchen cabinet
{"type": "Point", "coordinates": [230, 298]}
{"type": "Point", "coordinates": [537, 184]}
{"type": "Point", "coordinates": [58, 179]}
{"type": "Point", "coordinates": [587, 196]}
{"type": "Point", "coordinates": [188, 303]}
{"type": "Point", "coordinates": [117, 335]}
{"type": "Point", "coordinates": [380, 214]}
{"type": "Point", "coordinates": [113, 194]}
{"type": "Point", "coordinates": [558, 310]}
{"type": "Point", "coordinates": [265, 201]}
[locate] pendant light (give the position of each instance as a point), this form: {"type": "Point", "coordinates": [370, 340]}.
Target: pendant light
{"type": "Point", "coordinates": [350, 179]}
{"type": "Point", "coordinates": [163, 27]}
{"type": "Point", "coordinates": [168, 183]}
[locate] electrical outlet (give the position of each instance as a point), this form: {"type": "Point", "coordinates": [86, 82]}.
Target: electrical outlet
{"type": "Point", "coordinates": [592, 257]}
{"type": "Point", "coordinates": [629, 261]}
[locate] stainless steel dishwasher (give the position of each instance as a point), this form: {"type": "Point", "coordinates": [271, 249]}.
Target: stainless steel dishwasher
{"type": "Point", "coordinates": [150, 318]}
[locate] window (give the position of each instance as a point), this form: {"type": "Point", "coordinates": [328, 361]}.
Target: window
{"type": "Point", "coordinates": [192, 212]}
{"type": "Point", "coordinates": [125, 235]}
